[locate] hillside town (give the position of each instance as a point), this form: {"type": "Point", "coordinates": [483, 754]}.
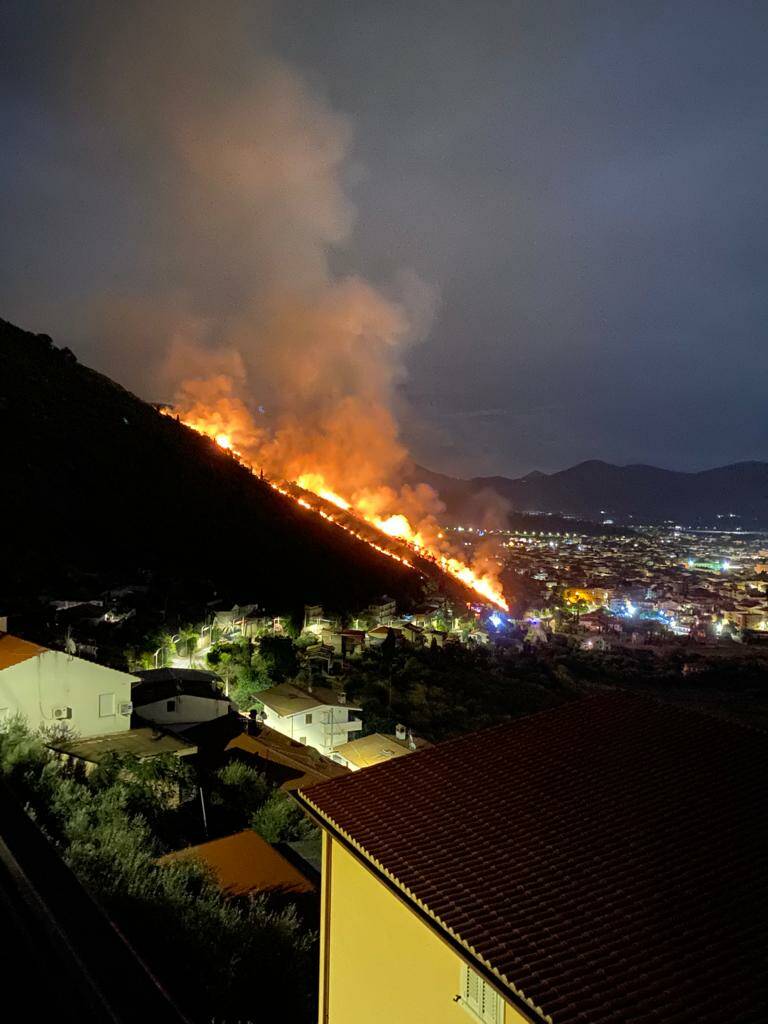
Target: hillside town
{"type": "Point", "coordinates": [238, 727]}
{"type": "Point", "coordinates": [384, 547]}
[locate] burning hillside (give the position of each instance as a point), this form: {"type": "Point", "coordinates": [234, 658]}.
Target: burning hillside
{"type": "Point", "coordinates": [249, 305]}
{"type": "Point", "coordinates": [370, 515]}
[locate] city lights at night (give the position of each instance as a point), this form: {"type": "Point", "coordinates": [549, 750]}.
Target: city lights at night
{"type": "Point", "coordinates": [384, 562]}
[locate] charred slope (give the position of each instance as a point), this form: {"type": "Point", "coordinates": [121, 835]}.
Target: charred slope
{"type": "Point", "coordinates": [94, 480]}
{"type": "Point", "coordinates": [645, 493]}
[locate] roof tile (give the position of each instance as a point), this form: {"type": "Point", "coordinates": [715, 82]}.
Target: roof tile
{"type": "Point", "coordinates": [606, 857]}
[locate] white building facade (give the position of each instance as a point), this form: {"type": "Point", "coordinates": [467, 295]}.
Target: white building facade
{"type": "Point", "coordinates": [319, 718]}
{"type": "Point", "coordinates": [51, 688]}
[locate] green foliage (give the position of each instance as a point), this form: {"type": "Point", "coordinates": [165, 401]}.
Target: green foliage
{"type": "Point", "coordinates": [187, 642]}
{"type": "Point", "coordinates": [280, 819]}
{"type": "Point", "coordinates": [242, 667]}
{"type": "Point", "coordinates": [235, 794]}
{"type": "Point", "coordinates": [442, 692]}
{"type": "Point", "coordinates": [279, 657]}
{"type": "Point", "coordinates": [112, 825]}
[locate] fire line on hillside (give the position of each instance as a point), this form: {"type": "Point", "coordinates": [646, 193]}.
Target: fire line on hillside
{"type": "Point", "coordinates": [331, 506]}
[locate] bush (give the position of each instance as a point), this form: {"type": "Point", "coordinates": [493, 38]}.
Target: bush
{"type": "Point", "coordinates": [281, 820]}
{"type": "Point", "coordinates": [111, 826]}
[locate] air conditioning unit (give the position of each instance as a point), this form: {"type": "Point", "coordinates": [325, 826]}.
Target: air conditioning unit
{"type": "Point", "coordinates": [126, 707]}
{"type": "Point", "coordinates": [62, 713]}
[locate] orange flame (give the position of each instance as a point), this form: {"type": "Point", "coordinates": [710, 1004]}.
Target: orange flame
{"type": "Point", "coordinates": [373, 507]}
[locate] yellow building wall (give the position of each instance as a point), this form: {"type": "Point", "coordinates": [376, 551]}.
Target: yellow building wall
{"type": "Point", "coordinates": [379, 962]}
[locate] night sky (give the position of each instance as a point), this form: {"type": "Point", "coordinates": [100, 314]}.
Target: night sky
{"type": "Point", "coordinates": [580, 187]}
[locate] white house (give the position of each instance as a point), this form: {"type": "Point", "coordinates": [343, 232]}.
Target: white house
{"type": "Point", "coordinates": [178, 698]}
{"type": "Point", "coordinates": [50, 688]}
{"type": "Point", "coordinates": [318, 717]}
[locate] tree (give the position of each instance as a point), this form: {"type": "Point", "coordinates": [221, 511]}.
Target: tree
{"type": "Point", "coordinates": [188, 640]}
{"type": "Point", "coordinates": [107, 828]}
{"type": "Point", "coordinates": [278, 655]}
{"type": "Point", "coordinates": [280, 819]}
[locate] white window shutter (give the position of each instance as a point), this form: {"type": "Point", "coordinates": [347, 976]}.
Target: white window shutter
{"type": "Point", "coordinates": [479, 998]}
{"type": "Point", "coordinates": [471, 988]}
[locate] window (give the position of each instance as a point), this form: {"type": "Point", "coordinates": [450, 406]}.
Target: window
{"type": "Point", "coordinates": [170, 705]}
{"type": "Point", "coordinates": [106, 705]}
{"type": "Point", "coordinates": [303, 739]}
{"type": "Point", "coordinates": [479, 999]}
{"type": "Point", "coordinates": [308, 719]}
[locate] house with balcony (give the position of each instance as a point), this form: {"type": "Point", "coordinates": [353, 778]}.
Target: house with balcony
{"type": "Point", "coordinates": [315, 716]}
{"type": "Point", "coordinates": [54, 688]}
{"type": "Point", "coordinates": [600, 862]}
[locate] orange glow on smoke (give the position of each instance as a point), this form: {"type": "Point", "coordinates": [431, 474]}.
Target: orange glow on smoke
{"type": "Point", "coordinates": [227, 423]}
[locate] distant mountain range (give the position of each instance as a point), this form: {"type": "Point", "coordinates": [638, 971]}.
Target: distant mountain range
{"type": "Point", "coordinates": [730, 496]}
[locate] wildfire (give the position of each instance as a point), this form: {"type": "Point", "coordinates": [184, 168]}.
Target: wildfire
{"type": "Point", "coordinates": [315, 483]}
{"type": "Point", "coordinates": [395, 525]}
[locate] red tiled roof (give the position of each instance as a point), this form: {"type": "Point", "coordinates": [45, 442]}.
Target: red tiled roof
{"type": "Point", "coordinates": [14, 650]}
{"type": "Point", "coordinates": [605, 859]}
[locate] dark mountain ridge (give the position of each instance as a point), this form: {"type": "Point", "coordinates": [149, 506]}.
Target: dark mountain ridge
{"type": "Point", "coordinates": [97, 485]}
{"type": "Point", "coordinates": [727, 496]}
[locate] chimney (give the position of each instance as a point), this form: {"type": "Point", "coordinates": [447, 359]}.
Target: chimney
{"type": "Point", "coordinates": [400, 732]}
{"type": "Point", "coordinates": [342, 698]}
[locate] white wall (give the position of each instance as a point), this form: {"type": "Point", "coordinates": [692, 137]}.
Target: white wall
{"type": "Point", "coordinates": [187, 710]}
{"type": "Point", "coordinates": [329, 728]}
{"type": "Point", "coordinates": [34, 687]}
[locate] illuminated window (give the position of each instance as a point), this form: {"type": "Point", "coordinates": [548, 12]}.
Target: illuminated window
{"type": "Point", "coordinates": [106, 705]}
{"type": "Point", "coordinates": [479, 999]}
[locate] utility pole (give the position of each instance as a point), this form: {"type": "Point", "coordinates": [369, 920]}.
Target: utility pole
{"type": "Point", "coordinates": [202, 806]}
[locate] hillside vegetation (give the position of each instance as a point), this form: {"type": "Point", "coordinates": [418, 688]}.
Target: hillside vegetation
{"type": "Point", "coordinates": [96, 481]}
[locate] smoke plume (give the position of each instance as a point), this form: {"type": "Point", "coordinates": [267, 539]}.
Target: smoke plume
{"type": "Point", "coordinates": [238, 170]}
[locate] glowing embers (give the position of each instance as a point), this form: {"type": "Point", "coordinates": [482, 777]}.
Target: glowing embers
{"type": "Point", "coordinates": [361, 517]}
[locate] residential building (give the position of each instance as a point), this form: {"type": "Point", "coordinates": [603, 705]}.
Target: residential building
{"type": "Point", "coordinates": [377, 748]}
{"type": "Point", "coordinates": [318, 716]}
{"type": "Point", "coordinates": [288, 764]}
{"type": "Point", "coordinates": [178, 698]}
{"type": "Point", "coordinates": [379, 634]}
{"type": "Point", "coordinates": [234, 619]}
{"type": "Point", "coordinates": [245, 864]}
{"type": "Point", "coordinates": [50, 688]}
{"type": "Point", "coordinates": [602, 862]}
{"type": "Point", "coordinates": [142, 743]}
{"type": "Point", "coordinates": [383, 611]}
{"type": "Point", "coordinates": [344, 642]}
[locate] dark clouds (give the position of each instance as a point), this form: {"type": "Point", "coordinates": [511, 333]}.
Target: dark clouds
{"type": "Point", "coordinates": [583, 184]}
